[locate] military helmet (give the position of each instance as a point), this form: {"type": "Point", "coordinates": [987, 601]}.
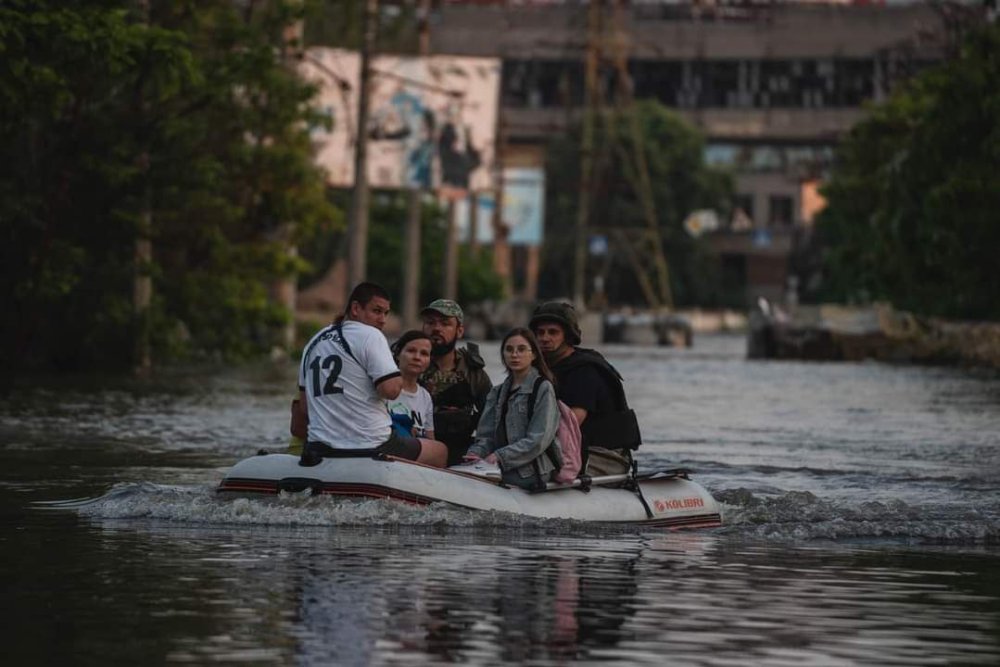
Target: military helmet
{"type": "Point", "coordinates": [561, 313]}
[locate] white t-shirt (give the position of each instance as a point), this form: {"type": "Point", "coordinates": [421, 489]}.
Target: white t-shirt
{"type": "Point", "coordinates": [417, 407]}
{"type": "Point", "coordinates": [345, 411]}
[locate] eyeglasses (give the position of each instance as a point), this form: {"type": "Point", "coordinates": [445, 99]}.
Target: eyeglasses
{"type": "Point", "coordinates": [520, 349]}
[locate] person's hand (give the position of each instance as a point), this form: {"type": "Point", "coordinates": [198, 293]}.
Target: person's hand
{"type": "Point", "coordinates": [471, 458]}
{"type": "Point", "coordinates": [492, 458]}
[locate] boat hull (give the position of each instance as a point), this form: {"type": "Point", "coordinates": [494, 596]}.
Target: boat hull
{"type": "Point", "coordinates": [673, 501]}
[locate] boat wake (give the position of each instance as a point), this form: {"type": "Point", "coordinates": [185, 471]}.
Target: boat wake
{"type": "Point", "coordinates": [202, 505]}
{"type": "Point", "coordinates": [788, 516]}
{"type": "Point", "coordinates": [801, 515]}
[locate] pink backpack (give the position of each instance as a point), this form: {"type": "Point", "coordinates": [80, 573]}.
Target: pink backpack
{"type": "Point", "coordinates": [570, 444]}
{"type": "Point", "coordinates": [567, 436]}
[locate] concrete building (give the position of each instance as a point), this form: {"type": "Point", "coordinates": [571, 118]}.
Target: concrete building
{"type": "Point", "coordinates": [773, 86]}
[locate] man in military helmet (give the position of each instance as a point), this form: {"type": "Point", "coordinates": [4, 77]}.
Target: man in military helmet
{"type": "Point", "coordinates": [456, 379]}
{"type": "Point", "coordinates": [591, 387]}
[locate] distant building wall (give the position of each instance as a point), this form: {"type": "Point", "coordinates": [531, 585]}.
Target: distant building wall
{"type": "Point", "coordinates": [772, 86]}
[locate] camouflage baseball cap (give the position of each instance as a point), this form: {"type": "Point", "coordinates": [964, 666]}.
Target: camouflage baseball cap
{"type": "Point", "coordinates": [446, 307]}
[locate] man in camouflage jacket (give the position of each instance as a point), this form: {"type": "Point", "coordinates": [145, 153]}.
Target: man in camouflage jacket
{"type": "Point", "coordinates": [456, 379]}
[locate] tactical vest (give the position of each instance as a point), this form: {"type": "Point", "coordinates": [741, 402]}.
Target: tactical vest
{"type": "Point", "coordinates": [456, 412]}
{"type": "Point", "coordinates": [614, 430]}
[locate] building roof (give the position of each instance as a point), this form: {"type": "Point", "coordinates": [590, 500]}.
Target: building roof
{"type": "Point", "coordinates": [681, 32]}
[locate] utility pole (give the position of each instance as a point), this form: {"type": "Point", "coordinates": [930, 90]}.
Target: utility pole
{"type": "Point", "coordinates": [473, 203]}
{"type": "Point", "coordinates": [591, 98]}
{"type": "Point", "coordinates": [411, 261]}
{"type": "Point", "coordinates": [501, 249]}
{"type": "Point", "coordinates": [658, 294]}
{"type": "Point", "coordinates": [358, 229]}
{"type": "Point", "coordinates": [451, 253]}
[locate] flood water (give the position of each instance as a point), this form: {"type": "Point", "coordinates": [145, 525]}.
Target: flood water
{"type": "Point", "coordinates": [860, 507]}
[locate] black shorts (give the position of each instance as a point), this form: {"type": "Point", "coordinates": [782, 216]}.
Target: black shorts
{"type": "Point", "coordinates": [396, 445]}
{"type": "Point", "coordinates": [402, 447]}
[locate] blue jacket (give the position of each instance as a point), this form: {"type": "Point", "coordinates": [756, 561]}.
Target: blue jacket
{"type": "Point", "coordinates": [528, 440]}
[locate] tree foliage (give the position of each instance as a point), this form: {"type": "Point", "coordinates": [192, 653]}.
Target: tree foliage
{"type": "Point", "coordinates": [188, 114]}
{"type": "Point", "coordinates": [477, 280]}
{"type": "Point", "coordinates": [913, 203]}
{"type": "Point", "coordinates": [681, 184]}
{"type": "Point", "coordinates": [339, 23]}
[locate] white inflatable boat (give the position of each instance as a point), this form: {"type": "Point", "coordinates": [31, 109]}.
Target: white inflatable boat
{"type": "Point", "coordinates": [664, 499]}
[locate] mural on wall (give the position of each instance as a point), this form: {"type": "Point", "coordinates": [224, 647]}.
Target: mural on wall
{"type": "Point", "coordinates": [523, 209]}
{"type": "Point", "coordinates": [432, 120]}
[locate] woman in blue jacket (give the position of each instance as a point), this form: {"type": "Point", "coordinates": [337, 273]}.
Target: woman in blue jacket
{"type": "Point", "coordinates": [512, 433]}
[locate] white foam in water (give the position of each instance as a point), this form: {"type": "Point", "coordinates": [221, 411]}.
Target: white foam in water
{"type": "Point", "coordinates": [201, 504]}
{"type": "Point", "coordinates": [794, 515]}
{"type": "Point", "coordinates": [798, 515]}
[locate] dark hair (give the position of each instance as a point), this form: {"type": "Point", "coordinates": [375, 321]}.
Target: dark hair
{"type": "Point", "coordinates": [363, 293]}
{"type": "Point", "coordinates": [539, 361]}
{"type": "Point", "coordinates": [406, 339]}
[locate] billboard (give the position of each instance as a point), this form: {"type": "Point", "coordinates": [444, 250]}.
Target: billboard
{"type": "Point", "coordinates": [432, 120]}
{"type": "Point", "coordinates": [523, 210]}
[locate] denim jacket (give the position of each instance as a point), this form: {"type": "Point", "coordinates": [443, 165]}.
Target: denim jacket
{"type": "Point", "coordinates": [528, 440]}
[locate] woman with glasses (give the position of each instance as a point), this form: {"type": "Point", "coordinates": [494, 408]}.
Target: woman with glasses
{"type": "Point", "coordinates": [518, 426]}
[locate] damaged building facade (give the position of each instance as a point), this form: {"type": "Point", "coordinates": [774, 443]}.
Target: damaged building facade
{"type": "Point", "coordinates": [773, 87]}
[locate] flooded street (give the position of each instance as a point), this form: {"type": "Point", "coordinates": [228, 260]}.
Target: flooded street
{"type": "Point", "coordinates": [860, 509]}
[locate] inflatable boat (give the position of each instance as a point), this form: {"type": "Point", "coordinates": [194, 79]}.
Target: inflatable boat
{"type": "Point", "coordinates": [663, 499]}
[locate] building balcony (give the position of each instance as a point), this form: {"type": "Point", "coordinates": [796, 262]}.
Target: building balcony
{"type": "Point", "coordinates": [522, 125]}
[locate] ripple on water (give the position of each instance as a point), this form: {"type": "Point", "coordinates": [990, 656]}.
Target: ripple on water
{"type": "Point", "coordinates": [837, 483]}
{"type": "Point", "coordinates": [202, 505]}
{"type": "Point", "coordinates": [794, 515]}
{"type": "Point", "coordinates": [801, 515]}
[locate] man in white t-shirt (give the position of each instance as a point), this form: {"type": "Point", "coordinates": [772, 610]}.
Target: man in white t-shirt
{"type": "Point", "coordinates": [346, 375]}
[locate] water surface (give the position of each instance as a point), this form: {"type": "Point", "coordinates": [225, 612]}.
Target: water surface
{"type": "Point", "coordinates": [862, 526]}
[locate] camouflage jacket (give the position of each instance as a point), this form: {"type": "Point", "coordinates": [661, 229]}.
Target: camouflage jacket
{"type": "Point", "coordinates": [464, 387]}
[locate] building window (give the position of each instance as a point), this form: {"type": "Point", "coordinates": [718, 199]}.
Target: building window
{"type": "Point", "coordinates": [780, 214]}
{"type": "Point", "coordinates": [542, 83]}
{"type": "Point", "coordinates": [705, 83]}
{"type": "Point", "coordinates": [721, 155]}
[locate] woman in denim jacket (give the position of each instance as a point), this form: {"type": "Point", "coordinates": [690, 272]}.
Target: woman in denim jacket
{"type": "Point", "coordinates": [505, 435]}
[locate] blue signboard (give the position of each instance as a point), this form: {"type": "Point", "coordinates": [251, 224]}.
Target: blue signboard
{"type": "Point", "coordinates": [523, 208]}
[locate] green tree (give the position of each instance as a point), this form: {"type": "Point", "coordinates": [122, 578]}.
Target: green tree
{"type": "Point", "coordinates": [913, 201]}
{"type": "Point", "coordinates": [477, 281]}
{"type": "Point", "coordinates": [187, 112]}
{"type": "Point", "coordinates": [337, 23]}
{"type": "Point", "coordinates": [681, 183]}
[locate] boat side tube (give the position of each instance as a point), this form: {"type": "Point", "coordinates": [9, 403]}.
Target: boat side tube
{"type": "Point", "coordinates": [673, 500]}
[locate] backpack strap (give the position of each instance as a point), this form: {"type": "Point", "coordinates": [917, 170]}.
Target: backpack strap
{"type": "Point", "coordinates": [539, 482]}
{"type": "Point", "coordinates": [339, 329]}
{"type": "Point", "coordinates": [531, 397]}
{"type": "Point", "coordinates": [502, 421]}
